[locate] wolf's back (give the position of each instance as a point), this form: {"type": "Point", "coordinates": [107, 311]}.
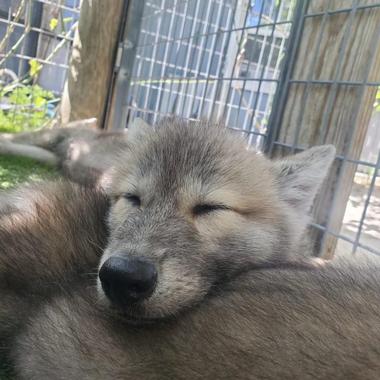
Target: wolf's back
{"type": "Point", "coordinates": [281, 324]}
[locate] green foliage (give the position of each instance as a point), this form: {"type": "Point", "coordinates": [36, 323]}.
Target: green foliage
{"type": "Point", "coordinates": [35, 68]}
{"type": "Point", "coordinates": [53, 24]}
{"type": "Point", "coordinates": [15, 170]}
{"type": "Point", "coordinates": [27, 107]}
{"type": "Point", "coordinates": [68, 19]}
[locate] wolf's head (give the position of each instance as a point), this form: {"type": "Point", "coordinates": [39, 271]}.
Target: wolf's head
{"type": "Point", "coordinates": [192, 207]}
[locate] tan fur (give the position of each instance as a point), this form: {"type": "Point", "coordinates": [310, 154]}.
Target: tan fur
{"type": "Point", "coordinates": [270, 324]}
{"type": "Point", "coordinates": [223, 306]}
{"type": "Point", "coordinates": [176, 166]}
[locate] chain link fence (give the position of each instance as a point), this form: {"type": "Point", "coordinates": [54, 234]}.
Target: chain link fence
{"type": "Point", "coordinates": [35, 44]}
{"type": "Point", "coordinates": [330, 93]}
{"type": "Point", "coordinates": [210, 59]}
{"type": "Point", "coordinates": [287, 74]}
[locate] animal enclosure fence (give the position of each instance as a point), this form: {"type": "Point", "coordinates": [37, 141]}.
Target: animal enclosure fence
{"type": "Point", "coordinates": [212, 59]}
{"type": "Point", "coordinates": [35, 45]}
{"type": "Point", "coordinates": [287, 74]}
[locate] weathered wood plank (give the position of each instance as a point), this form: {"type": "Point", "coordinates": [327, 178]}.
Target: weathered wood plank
{"type": "Point", "coordinates": [92, 60]}
{"type": "Point", "coordinates": [347, 50]}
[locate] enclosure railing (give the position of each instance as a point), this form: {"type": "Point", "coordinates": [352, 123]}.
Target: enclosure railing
{"type": "Point", "coordinates": [287, 74]}
{"type": "Point", "coordinates": [210, 59]}
{"type": "Point", "coordinates": [35, 45]}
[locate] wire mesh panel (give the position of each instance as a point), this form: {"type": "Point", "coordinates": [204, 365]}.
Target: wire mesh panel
{"type": "Point", "coordinates": [214, 59]}
{"type": "Point", "coordinates": [330, 94]}
{"type": "Point", "coordinates": [226, 60]}
{"type": "Point", "coordinates": [35, 44]}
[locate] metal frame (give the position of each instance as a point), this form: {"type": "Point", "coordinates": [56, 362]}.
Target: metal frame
{"type": "Point", "coordinates": [125, 58]}
{"type": "Point", "coordinates": [189, 62]}
{"type": "Point", "coordinates": [229, 60]}
{"type": "Point", "coordinates": [27, 37]}
{"type": "Point", "coordinates": [288, 79]}
{"type": "Point", "coordinates": [189, 59]}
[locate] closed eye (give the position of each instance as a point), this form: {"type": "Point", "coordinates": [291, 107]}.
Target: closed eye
{"type": "Point", "coordinates": [204, 208]}
{"type": "Point", "coordinates": [133, 199]}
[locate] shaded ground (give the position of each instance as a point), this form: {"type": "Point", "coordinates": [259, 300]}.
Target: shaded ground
{"type": "Point", "coordinates": [370, 233]}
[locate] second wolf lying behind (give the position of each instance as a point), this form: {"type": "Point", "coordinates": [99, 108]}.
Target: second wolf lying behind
{"type": "Point", "coordinates": [79, 150]}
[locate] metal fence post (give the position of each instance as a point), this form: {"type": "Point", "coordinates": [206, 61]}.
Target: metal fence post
{"type": "Point", "coordinates": [283, 86]}
{"type": "Point", "coordinates": [118, 111]}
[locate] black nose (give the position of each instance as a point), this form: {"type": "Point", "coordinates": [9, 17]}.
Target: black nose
{"type": "Point", "coordinates": [127, 280]}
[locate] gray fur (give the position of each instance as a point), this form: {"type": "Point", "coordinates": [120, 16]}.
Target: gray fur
{"type": "Point", "coordinates": [177, 166]}
{"type": "Point", "coordinates": [229, 303]}
{"type": "Point", "coordinates": [81, 153]}
{"type": "Point", "coordinates": [268, 324]}
{"type": "Point", "coordinates": [51, 235]}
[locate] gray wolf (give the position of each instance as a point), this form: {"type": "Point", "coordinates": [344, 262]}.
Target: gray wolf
{"type": "Point", "coordinates": [192, 278]}
{"type": "Point", "coordinates": [191, 207]}
{"type": "Point", "coordinates": [265, 323]}
{"type": "Point", "coordinates": [79, 150]}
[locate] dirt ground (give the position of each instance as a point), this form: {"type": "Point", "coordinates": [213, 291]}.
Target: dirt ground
{"type": "Point", "coordinates": [370, 234]}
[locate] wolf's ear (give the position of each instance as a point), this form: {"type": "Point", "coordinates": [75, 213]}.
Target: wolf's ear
{"type": "Point", "coordinates": [300, 176]}
{"type": "Point", "coordinates": [138, 129]}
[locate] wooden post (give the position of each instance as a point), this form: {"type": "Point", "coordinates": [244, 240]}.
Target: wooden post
{"type": "Point", "coordinates": [335, 113]}
{"type": "Point", "coordinates": [91, 66]}
{"type": "Point", "coordinates": [117, 112]}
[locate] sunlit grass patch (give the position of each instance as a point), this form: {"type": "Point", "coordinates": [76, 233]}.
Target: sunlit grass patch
{"type": "Point", "coordinates": [16, 170]}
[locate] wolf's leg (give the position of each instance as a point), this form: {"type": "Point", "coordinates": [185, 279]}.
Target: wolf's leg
{"type": "Point", "coordinates": [31, 144]}
{"type": "Point", "coordinates": [38, 145]}
{"type": "Point", "coordinates": [42, 138]}
{"type": "Point", "coordinates": [47, 137]}
{"type": "Point", "coordinates": [29, 151]}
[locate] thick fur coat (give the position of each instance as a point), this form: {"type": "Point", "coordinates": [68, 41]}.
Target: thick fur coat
{"type": "Point", "coordinates": [224, 228]}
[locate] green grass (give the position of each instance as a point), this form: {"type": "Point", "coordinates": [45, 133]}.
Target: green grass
{"type": "Point", "coordinates": [16, 170]}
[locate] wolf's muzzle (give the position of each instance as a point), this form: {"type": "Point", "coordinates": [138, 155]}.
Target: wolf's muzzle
{"type": "Point", "coordinates": [127, 280]}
